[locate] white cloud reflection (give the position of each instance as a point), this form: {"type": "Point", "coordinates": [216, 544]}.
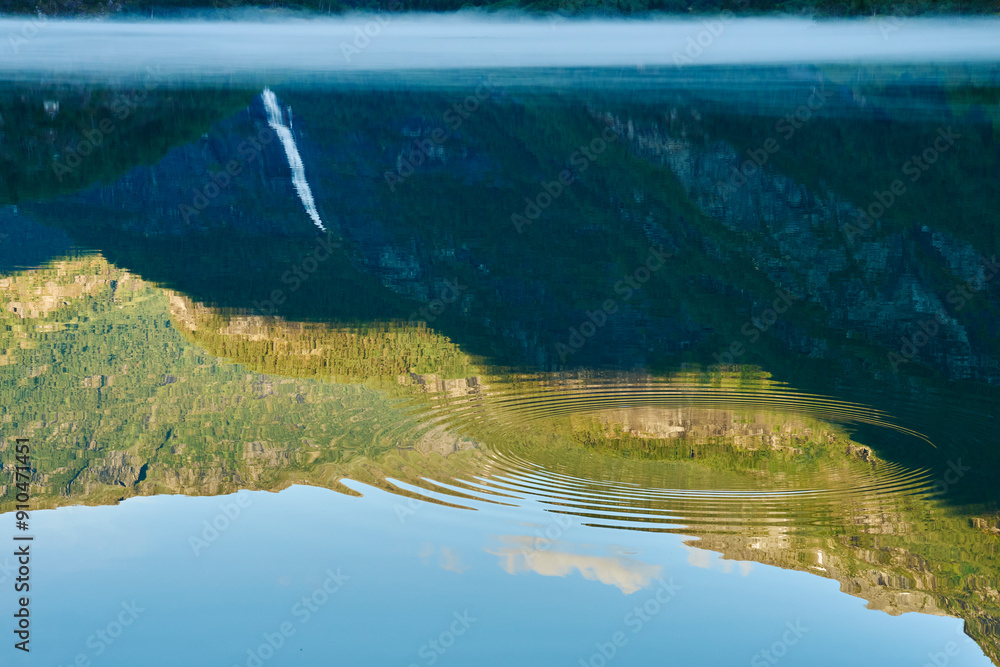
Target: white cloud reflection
{"type": "Point", "coordinates": [529, 554]}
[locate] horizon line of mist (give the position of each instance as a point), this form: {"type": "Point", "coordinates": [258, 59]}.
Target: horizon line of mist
{"type": "Point", "coordinates": [387, 42]}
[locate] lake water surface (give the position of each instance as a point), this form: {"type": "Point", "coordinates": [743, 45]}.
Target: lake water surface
{"type": "Point", "coordinates": [454, 352]}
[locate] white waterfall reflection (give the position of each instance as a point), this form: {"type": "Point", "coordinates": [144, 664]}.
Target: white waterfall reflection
{"type": "Point", "coordinates": [284, 133]}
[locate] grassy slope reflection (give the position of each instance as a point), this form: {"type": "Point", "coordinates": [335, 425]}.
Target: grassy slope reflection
{"type": "Point", "coordinates": [120, 404]}
{"type": "Point", "coordinates": [86, 339]}
{"type": "Point", "coordinates": [525, 291]}
{"type": "Point", "coordinates": [373, 355]}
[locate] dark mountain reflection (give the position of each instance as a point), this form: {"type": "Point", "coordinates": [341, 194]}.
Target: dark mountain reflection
{"type": "Point", "coordinates": [764, 318]}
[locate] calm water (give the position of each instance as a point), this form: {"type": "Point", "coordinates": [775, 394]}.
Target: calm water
{"type": "Point", "coordinates": [658, 365]}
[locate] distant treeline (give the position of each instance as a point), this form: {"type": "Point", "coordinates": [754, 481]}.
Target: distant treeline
{"type": "Point", "coordinates": [833, 8]}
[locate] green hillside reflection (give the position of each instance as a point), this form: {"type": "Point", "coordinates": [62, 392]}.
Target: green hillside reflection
{"type": "Point", "coordinates": [741, 464]}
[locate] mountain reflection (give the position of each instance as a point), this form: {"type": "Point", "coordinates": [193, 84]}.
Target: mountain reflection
{"type": "Point", "coordinates": [687, 327]}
